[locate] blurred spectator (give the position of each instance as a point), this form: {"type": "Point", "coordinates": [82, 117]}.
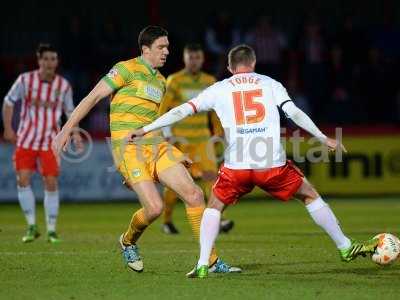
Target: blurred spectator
{"type": "Point", "coordinates": [313, 43]}
{"type": "Point", "coordinates": [110, 42]}
{"type": "Point", "coordinates": [219, 38]}
{"type": "Point", "coordinates": [373, 88]}
{"type": "Point", "coordinates": [298, 97]}
{"type": "Point", "coordinates": [75, 44]}
{"type": "Point", "coordinates": [339, 108]}
{"type": "Point", "coordinates": [76, 56]}
{"type": "Point", "coordinates": [268, 44]}
{"type": "Point", "coordinates": [292, 68]}
{"type": "Point", "coordinates": [313, 47]}
{"type": "Point", "coordinates": [352, 41]}
{"type": "Point", "coordinates": [386, 38]}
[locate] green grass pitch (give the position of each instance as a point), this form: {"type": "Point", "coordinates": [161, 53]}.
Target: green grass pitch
{"type": "Point", "coordinates": [283, 255]}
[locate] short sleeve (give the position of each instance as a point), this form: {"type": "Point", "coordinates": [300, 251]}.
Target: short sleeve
{"type": "Point", "coordinates": [68, 103]}
{"type": "Point", "coordinates": [280, 93]}
{"type": "Point", "coordinates": [205, 101]}
{"type": "Point", "coordinates": [16, 92]}
{"type": "Point", "coordinates": [117, 77]}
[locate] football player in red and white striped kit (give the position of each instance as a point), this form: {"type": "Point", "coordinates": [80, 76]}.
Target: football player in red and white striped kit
{"type": "Point", "coordinates": [44, 95]}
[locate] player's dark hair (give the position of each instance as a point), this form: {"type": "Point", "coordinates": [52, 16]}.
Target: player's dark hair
{"type": "Point", "coordinates": [194, 47]}
{"type": "Point", "coordinates": [241, 55]}
{"type": "Point", "coordinates": [149, 34]}
{"type": "Point", "coordinates": [43, 47]}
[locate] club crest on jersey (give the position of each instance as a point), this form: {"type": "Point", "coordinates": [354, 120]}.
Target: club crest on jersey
{"type": "Point", "coordinates": [136, 173]}
{"type": "Point", "coordinates": [57, 93]}
{"type": "Point", "coordinates": [112, 73]}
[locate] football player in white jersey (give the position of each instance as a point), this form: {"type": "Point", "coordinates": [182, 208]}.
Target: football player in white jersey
{"type": "Point", "coordinates": [44, 94]}
{"type": "Point", "coordinates": [247, 106]}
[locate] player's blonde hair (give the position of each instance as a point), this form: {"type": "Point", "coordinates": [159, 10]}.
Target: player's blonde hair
{"type": "Point", "coordinates": [241, 55]}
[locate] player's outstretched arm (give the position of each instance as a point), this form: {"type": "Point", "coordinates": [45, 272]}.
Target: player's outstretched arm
{"type": "Point", "coordinates": [305, 122]}
{"type": "Point", "coordinates": [174, 115]}
{"type": "Point", "coordinates": [100, 91]}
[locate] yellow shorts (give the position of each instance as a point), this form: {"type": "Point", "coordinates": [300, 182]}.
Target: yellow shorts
{"type": "Point", "coordinates": [203, 157]}
{"type": "Point", "coordinates": [143, 162]}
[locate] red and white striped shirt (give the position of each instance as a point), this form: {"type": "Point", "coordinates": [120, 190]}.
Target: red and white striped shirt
{"type": "Point", "coordinates": [41, 108]}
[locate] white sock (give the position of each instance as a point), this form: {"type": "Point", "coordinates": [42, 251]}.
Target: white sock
{"type": "Point", "coordinates": [324, 217]}
{"type": "Point", "coordinates": [209, 229]}
{"type": "Point", "coordinates": [51, 205]}
{"type": "Point", "coordinates": [27, 202]}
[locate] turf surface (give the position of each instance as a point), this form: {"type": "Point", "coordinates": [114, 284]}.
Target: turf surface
{"type": "Point", "coordinates": [283, 254]}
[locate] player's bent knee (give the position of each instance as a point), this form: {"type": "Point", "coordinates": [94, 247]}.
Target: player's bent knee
{"type": "Point", "coordinates": [50, 183]}
{"type": "Point", "coordinates": [307, 193]}
{"type": "Point", "coordinates": [311, 192]}
{"type": "Point", "coordinates": [154, 210]}
{"type": "Point", "coordinates": [194, 196]}
{"type": "Point", "coordinates": [215, 203]}
{"type": "Point", "coordinates": [23, 180]}
{"type": "Point", "coordinates": [198, 195]}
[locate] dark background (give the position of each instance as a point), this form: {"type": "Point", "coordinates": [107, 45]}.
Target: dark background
{"type": "Point", "coordinates": [338, 59]}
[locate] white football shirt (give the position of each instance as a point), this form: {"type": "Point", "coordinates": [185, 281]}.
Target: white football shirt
{"type": "Point", "coordinates": [247, 106]}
